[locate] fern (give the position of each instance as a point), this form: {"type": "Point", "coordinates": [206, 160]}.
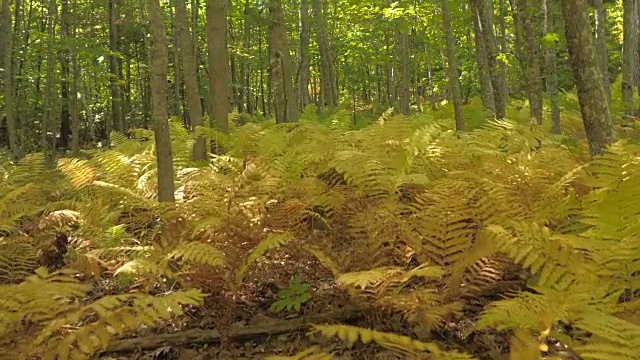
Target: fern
{"type": "Point", "coordinates": [394, 342]}
{"type": "Point", "coordinates": [271, 242]}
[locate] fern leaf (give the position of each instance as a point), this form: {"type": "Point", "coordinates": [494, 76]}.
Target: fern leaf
{"type": "Point", "coordinates": [197, 253]}
{"type": "Point", "coordinates": [394, 342]}
{"type": "Point", "coordinates": [271, 242]}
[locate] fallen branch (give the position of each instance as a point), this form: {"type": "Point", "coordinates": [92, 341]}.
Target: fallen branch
{"type": "Point", "coordinates": [236, 333]}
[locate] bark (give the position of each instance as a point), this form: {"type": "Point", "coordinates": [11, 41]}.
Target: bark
{"type": "Point", "coordinates": [452, 68]}
{"type": "Point", "coordinates": [9, 90]}
{"type": "Point", "coordinates": [405, 91]}
{"type": "Point", "coordinates": [601, 44]}
{"type": "Point", "coordinates": [117, 120]}
{"type": "Point", "coordinates": [235, 83]}
{"type": "Point", "coordinates": [432, 93]}
{"type": "Point", "coordinates": [527, 10]}
{"type": "Point", "coordinates": [74, 106]}
{"type": "Point", "coordinates": [246, 77]}
{"type": "Point", "coordinates": [160, 114]}
{"type": "Point", "coordinates": [50, 105]}
{"type": "Point", "coordinates": [498, 83]}
{"type": "Point", "coordinates": [218, 62]}
{"type": "Point", "coordinates": [305, 65]}
{"type": "Point", "coordinates": [177, 65]}
{"type": "Point", "coordinates": [286, 107]}
{"type": "Point", "coordinates": [190, 74]}
{"type": "Point", "coordinates": [629, 53]}
{"type": "Point", "coordinates": [504, 48]}
{"type": "Point", "coordinates": [328, 83]}
{"type": "Point", "coordinates": [65, 115]}
{"type": "Point", "coordinates": [588, 77]}
{"type": "Point", "coordinates": [552, 74]}
{"type": "Point", "coordinates": [482, 61]}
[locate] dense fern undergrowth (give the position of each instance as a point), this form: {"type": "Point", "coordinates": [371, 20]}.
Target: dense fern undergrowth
{"type": "Point", "coordinates": [505, 229]}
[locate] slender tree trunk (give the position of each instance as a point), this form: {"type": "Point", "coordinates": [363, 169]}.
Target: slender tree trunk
{"type": "Point", "coordinates": [159, 70]}
{"type": "Point", "coordinates": [601, 45]}
{"type": "Point", "coordinates": [586, 69]}
{"type": "Point", "coordinates": [246, 78]}
{"type": "Point", "coordinates": [9, 103]}
{"type": "Point", "coordinates": [177, 64]}
{"type": "Point", "coordinates": [552, 75]}
{"type": "Point", "coordinates": [482, 58]}
{"type": "Point", "coordinates": [218, 62]}
{"type": "Point", "coordinates": [495, 65]}
{"type": "Point", "coordinates": [452, 68]}
{"type": "Point", "coordinates": [305, 65]}
{"type": "Point", "coordinates": [328, 83]}
{"type": "Point", "coordinates": [65, 115]}
{"type": "Point", "coordinates": [504, 48]}
{"type": "Point", "coordinates": [405, 90]}
{"type": "Point", "coordinates": [189, 70]}
{"type": "Point", "coordinates": [75, 90]}
{"type": "Point", "coordinates": [50, 122]}
{"type": "Point", "coordinates": [74, 106]}
{"type": "Point", "coordinates": [117, 120]}
{"type": "Point", "coordinates": [281, 76]}
{"type": "Point", "coordinates": [629, 53]}
{"type": "Point", "coordinates": [527, 10]}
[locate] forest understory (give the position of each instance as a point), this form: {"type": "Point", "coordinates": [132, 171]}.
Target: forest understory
{"type": "Point", "coordinates": [320, 179]}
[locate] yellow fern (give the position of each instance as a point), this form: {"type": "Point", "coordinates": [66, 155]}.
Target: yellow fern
{"type": "Point", "coordinates": [402, 344]}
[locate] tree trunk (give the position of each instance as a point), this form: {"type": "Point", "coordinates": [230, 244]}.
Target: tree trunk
{"type": "Point", "coordinates": [527, 11]}
{"type": "Point", "coordinates": [246, 78]}
{"type": "Point", "coordinates": [452, 67]}
{"type": "Point", "coordinates": [328, 83]}
{"type": "Point", "coordinates": [405, 91]}
{"type": "Point", "coordinates": [159, 70]}
{"type": "Point", "coordinates": [218, 62]}
{"type": "Point", "coordinates": [588, 77]}
{"type": "Point", "coordinates": [305, 65]}
{"type": "Point", "coordinates": [495, 65]}
{"type": "Point", "coordinates": [552, 74]}
{"type": "Point", "coordinates": [482, 58]}
{"type": "Point", "coordinates": [285, 103]}
{"type": "Point", "coordinates": [601, 45]}
{"type": "Point", "coordinates": [117, 120]}
{"type": "Point", "coordinates": [65, 115]}
{"type": "Point", "coordinates": [50, 122]}
{"type": "Point", "coordinates": [189, 71]}
{"type": "Point", "coordinates": [7, 59]}
{"type": "Point", "coordinates": [504, 48]}
{"type": "Point", "coordinates": [177, 65]}
{"type": "Point", "coordinates": [629, 53]}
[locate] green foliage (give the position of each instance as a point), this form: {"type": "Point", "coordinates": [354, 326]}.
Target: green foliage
{"type": "Point", "coordinates": [410, 217]}
{"type": "Point", "coordinates": [292, 297]}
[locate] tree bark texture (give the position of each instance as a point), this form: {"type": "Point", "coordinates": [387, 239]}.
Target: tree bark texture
{"type": "Point", "coordinates": [160, 113]}
{"type": "Point", "coordinates": [452, 67]}
{"type": "Point", "coordinates": [190, 74]}
{"type": "Point", "coordinates": [588, 77]}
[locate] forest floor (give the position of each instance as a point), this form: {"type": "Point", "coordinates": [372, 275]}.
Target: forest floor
{"type": "Point", "coordinates": [254, 331]}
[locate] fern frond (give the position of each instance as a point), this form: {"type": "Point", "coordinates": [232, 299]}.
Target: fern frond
{"type": "Point", "coordinates": [613, 338]}
{"type": "Point", "coordinates": [116, 315]}
{"type": "Point", "coordinates": [556, 259]}
{"type": "Point", "coordinates": [197, 253]}
{"type": "Point", "coordinates": [145, 267]}
{"type": "Point", "coordinates": [271, 242]}
{"type": "Point", "coordinates": [81, 173]}
{"type": "Point", "coordinates": [402, 344]}
{"type": "Point", "coordinates": [17, 261]}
